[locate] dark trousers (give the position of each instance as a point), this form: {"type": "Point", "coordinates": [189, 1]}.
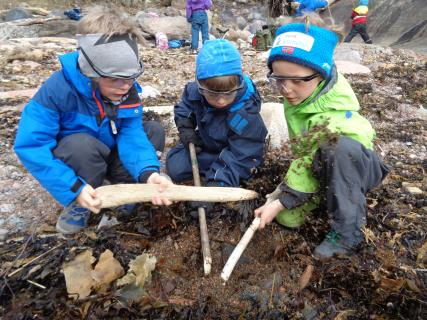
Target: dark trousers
{"type": "Point", "coordinates": [178, 163]}
{"type": "Point", "coordinates": [347, 171]}
{"type": "Point", "coordinates": [359, 28]}
{"type": "Point", "coordinates": [94, 161]}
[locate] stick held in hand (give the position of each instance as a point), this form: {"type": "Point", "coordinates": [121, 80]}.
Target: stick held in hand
{"type": "Point", "coordinates": [241, 246]}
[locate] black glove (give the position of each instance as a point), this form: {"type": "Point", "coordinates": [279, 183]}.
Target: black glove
{"type": "Point", "coordinates": [290, 198]}
{"type": "Point", "coordinates": [187, 133]}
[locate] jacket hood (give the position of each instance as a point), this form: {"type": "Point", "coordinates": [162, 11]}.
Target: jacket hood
{"type": "Point", "coordinates": [71, 70]}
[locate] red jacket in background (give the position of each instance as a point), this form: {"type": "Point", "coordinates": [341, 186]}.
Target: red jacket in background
{"type": "Point", "coordinates": [359, 15]}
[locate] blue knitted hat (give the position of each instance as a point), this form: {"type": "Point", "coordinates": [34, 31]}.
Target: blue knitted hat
{"type": "Point", "coordinates": [218, 58]}
{"type": "Point", "coordinates": [313, 47]}
{"type": "Point", "coordinates": [363, 2]}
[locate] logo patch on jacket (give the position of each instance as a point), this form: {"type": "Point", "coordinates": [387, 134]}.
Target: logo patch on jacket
{"type": "Point", "coordinates": [238, 123]}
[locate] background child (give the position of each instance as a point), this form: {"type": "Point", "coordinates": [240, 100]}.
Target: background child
{"type": "Point", "coordinates": [332, 142]}
{"type": "Point", "coordinates": [197, 16]}
{"type": "Point", "coordinates": [219, 113]}
{"type": "Point", "coordinates": [85, 122]}
{"type": "Point", "coordinates": [359, 16]}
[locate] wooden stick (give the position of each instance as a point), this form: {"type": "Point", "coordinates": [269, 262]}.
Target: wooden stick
{"type": "Point", "coordinates": [204, 236]}
{"type": "Point", "coordinates": [118, 194]}
{"type": "Point", "coordinates": [36, 284]}
{"type": "Point", "coordinates": [32, 260]}
{"type": "Point", "coordinates": [238, 250]}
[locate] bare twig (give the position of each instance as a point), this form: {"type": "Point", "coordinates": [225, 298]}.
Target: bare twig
{"type": "Point", "coordinates": [36, 284]}
{"type": "Point", "coordinates": [35, 259]}
{"type": "Point", "coordinates": [204, 236]}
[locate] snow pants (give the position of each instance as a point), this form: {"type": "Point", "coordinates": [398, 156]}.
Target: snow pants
{"type": "Point", "coordinates": [359, 28]}
{"type": "Point", "coordinates": [346, 171]}
{"type": "Point", "coordinates": [178, 163]}
{"type": "Point", "coordinates": [94, 161]}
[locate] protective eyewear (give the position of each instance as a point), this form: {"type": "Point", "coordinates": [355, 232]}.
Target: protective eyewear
{"type": "Point", "coordinates": [278, 80]}
{"type": "Point", "coordinates": [105, 75]}
{"type": "Point", "coordinates": [118, 83]}
{"type": "Point", "coordinates": [211, 94]}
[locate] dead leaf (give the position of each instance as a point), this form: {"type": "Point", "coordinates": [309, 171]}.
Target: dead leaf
{"type": "Point", "coordinates": [387, 258]}
{"type": "Point", "coordinates": [343, 315]}
{"type": "Point", "coordinates": [391, 285]}
{"type": "Point", "coordinates": [422, 253]}
{"type": "Point", "coordinates": [107, 269]}
{"type": "Point", "coordinates": [410, 284]}
{"type": "Point", "coordinates": [78, 275]}
{"type": "Point", "coordinates": [181, 301]}
{"type": "Point", "coordinates": [305, 277]}
{"type": "Point", "coordinates": [139, 271]}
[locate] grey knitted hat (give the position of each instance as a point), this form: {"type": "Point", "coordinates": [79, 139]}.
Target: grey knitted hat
{"type": "Point", "coordinates": [115, 56]}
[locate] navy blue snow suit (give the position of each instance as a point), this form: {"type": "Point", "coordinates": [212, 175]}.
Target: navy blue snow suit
{"type": "Point", "coordinates": [233, 138]}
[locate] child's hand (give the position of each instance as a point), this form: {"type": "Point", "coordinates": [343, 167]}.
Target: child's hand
{"type": "Point", "coordinates": [89, 199]}
{"type": "Point", "coordinates": [163, 183]}
{"type": "Point", "coordinates": [268, 212]}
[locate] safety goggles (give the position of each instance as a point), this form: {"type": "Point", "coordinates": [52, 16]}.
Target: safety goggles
{"type": "Point", "coordinates": [211, 94]}
{"type": "Point", "coordinates": [105, 75]}
{"type": "Point", "coordinates": [279, 80]}
{"type": "Point", "coordinates": [118, 82]}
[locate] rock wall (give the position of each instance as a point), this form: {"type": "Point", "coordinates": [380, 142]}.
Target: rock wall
{"type": "Point", "coordinates": [396, 23]}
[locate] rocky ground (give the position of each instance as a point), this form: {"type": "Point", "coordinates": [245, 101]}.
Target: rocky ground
{"type": "Point", "coordinates": [386, 279]}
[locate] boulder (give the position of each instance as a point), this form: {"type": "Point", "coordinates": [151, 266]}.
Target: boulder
{"type": "Point", "coordinates": [179, 4]}
{"type": "Point", "coordinates": [173, 27]}
{"type": "Point", "coordinates": [17, 14]}
{"type": "Point", "coordinates": [348, 67]}
{"type": "Point", "coordinates": [55, 27]}
{"type": "Point", "coordinates": [344, 53]}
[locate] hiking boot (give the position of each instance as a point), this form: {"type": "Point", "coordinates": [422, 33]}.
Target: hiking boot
{"type": "Point", "coordinates": [333, 244]}
{"type": "Point", "coordinates": [72, 219]}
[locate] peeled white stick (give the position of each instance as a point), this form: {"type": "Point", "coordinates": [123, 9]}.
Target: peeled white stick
{"type": "Point", "coordinates": [118, 194]}
{"type": "Point", "coordinates": [238, 250]}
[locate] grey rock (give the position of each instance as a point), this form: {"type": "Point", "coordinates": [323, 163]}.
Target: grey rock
{"type": "Point", "coordinates": [3, 234]}
{"type": "Point", "coordinates": [17, 14]}
{"type": "Point", "coordinates": [6, 208]}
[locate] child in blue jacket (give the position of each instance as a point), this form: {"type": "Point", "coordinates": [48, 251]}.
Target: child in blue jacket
{"type": "Point", "coordinates": [220, 114]}
{"type": "Point", "coordinates": [85, 122]}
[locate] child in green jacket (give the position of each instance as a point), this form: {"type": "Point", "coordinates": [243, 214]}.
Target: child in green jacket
{"type": "Point", "coordinates": [332, 143]}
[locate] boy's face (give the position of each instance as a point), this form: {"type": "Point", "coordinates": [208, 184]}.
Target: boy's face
{"type": "Point", "coordinates": [295, 90]}
{"type": "Point", "coordinates": [113, 88]}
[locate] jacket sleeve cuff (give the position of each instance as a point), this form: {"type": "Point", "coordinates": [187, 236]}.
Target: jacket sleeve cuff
{"type": "Point", "coordinates": [290, 198]}
{"type": "Point", "coordinates": [143, 177]}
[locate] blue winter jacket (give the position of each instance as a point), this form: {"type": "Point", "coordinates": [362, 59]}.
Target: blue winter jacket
{"type": "Point", "coordinates": [310, 6]}
{"type": "Point", "coordinates": [66, 104]}
{"type": "Point", "coordinates": [237, 134]}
